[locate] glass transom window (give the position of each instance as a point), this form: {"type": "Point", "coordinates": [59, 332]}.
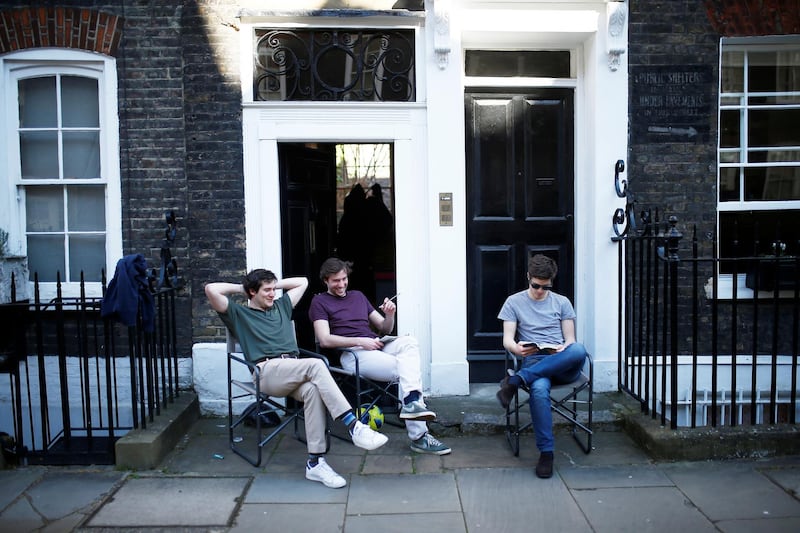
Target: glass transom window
{"type": "Point", "coordinates": [334, 65]}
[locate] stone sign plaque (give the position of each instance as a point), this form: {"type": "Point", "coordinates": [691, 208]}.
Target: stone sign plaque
{"type": "Point", "coordinates": [671, 103]}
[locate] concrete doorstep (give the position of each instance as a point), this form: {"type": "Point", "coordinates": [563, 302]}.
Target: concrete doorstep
{"type": "Point", "coordinates": [143, 449]}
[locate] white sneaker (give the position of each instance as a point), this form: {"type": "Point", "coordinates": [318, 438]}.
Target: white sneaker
{"type": "Point", "coordinates": [325, 475]}
{"type": "Point", "coordinates": [365, 437]}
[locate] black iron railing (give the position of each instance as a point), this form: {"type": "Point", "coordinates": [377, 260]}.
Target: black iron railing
{"type": "Point", "coordinates": [77, 381]}
{"type": "Point", "coordinates": [704, 340]}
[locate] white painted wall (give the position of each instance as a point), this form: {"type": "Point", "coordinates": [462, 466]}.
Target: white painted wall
{"type": "Point", "coordinates": [430, 159]}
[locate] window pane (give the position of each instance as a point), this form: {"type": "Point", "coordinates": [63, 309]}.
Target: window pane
{"type": "Point", "coordinates": [729, 184]}
{"type": "Point", "coordinates": [86, 208]}
{"type": "Point", "coordinates": [729, 129]}
{"type": "Point", "coordinates": [79, 102]}
{"type": "Point", "coordinates": [44, 209]}
{"type": "Point", "coordinates": [37, 103]}
{"type": "Point", "coordinates": [81, 154]}
{"type": "Point", "coordinates": [774, 71]}
{"type": "Point", "coordinates": [46, 256]}
{"type": "Point", "coordinates": [733, 72]}
{"type": "Point", "coordinates": [536, 64]}
{"type": "Point", "coordinates": [773, 156]}
{"type": "Point", "coordinates": [765, 226]}
{"type": "Point", "coordinates": [39, 154]}
{"type": "Point", "coordinates": [773, 127]}
{"type": "Point", "coordinates": [87, 254]}
{"type": "Point", "coordinates": [772, 183]}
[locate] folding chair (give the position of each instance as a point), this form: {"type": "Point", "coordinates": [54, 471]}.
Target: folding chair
{"type": "Point", "coordinates": [572, 401]}
{"type": "Point", "coordinates": [362, 391]}
{"type": "Point", "coordinates": [242, 385]}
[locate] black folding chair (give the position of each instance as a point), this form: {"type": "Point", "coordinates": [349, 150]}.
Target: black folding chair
{"type": "Point", "coordinates": [572, 401]}
{"type": "Point", "coordinates": [364, 393]}
{"type": "Point", "coordinates": [262, 406]}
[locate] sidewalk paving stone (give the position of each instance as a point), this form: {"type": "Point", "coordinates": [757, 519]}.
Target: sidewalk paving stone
{"type": "Point", "coordinates": [514, 499]}
{"type": "Point", "coordinates": [641, 510]}
{"type": "Point", "coordinates": [172, 502]}
{"type": "Point", "coordinates": [732, 491]}
{"type": "Point", "coordinates": [387, 494]}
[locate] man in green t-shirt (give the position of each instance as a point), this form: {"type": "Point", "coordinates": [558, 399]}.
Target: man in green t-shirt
{"type": "Point", "coordinates": [265, 331]}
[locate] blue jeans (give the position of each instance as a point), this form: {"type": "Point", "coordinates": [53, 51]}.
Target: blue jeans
{"type": "Point", "coordinates": [539, 372]}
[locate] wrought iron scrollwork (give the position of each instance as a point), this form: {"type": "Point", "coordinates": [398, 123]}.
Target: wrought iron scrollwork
{"type": "Point", "coordinates": [338, 65]}
{"type": "Point", "coordinates": [620, 186]}
{"type": "Point", "coordinates": [168, 273]}
{"type": "Point", "coordinates": [623, 221]}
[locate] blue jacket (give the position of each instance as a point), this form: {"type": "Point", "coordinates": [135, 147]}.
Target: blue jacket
{"type": "Point", "coordinates": [129, 292]}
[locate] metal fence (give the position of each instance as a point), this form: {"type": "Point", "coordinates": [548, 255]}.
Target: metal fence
{"type": "Point", "coordinates": [704, 340]}
{"type": "Point", "coordinates": [77, 382]}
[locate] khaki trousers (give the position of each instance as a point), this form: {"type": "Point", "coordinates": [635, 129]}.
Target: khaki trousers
{"type": "Point", "coordinates": [309, 381]}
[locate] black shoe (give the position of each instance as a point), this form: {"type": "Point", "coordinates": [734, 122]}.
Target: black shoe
{"type": "Point", "coordinates": [544, 468]}
{"type": "Point", "coordinates": [506, 393]}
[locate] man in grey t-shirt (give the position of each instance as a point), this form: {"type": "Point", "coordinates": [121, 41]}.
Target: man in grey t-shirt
{"type": "Point", "coordinates": [539, 326]}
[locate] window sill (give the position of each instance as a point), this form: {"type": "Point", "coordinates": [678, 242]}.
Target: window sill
{"type": "Point", "coordinates": [725, 289]}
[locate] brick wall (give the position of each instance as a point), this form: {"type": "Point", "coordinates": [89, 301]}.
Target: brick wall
{"type": "Point", "coordinates": [675, 172]}
{"type": "Point", "coordinates": [180, 129]}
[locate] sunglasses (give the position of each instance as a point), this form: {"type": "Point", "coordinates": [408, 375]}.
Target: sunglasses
{"type": "Point", "coordinates": [536, 286]}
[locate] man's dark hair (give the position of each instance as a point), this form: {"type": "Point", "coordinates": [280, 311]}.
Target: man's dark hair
{"type": "Point", "coordinates": [332, 265]}
{"type": "Point", "coordinates": [255, 278]}
{"type": "Point", "coordinates": [542, 267]}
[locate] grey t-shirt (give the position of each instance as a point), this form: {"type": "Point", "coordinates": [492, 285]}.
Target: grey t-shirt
{"type": "Point", "coordinates": [537, 321]}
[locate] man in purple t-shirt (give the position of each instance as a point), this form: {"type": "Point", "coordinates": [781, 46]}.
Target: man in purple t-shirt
{"type": "Point", "coordinates": [346, 320]}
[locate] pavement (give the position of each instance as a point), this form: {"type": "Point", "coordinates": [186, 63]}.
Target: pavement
{"type": "Point", "coordinates": [201, 486]}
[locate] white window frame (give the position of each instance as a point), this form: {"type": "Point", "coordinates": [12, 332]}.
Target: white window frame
{"type": "Point", "coordinates": [746, 44]}
{"type": "Point", "coordinates": [46, 62]}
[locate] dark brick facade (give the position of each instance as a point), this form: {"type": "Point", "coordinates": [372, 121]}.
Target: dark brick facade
{"type": "Point", "coordinates": [675, 173]}
{"type": "Point", "coordinates": [180, 129]}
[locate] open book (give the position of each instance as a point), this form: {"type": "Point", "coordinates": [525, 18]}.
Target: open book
{"type": "Point", "coordinates": [542, 346]}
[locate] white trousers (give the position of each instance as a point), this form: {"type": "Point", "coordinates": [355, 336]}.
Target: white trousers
{"type": "Point", "coordinates": [398, 361]}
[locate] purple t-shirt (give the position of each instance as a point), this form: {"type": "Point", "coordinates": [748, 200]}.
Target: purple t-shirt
{"type": "Point", "coordinates": [348, 316]}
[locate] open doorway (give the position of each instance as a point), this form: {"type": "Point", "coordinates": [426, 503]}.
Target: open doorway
{"type": "Point", "coordinates": [337, 200]}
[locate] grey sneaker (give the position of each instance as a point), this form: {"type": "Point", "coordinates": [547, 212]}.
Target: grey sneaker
{"type": "Point", "coordinates": [417, 410]}
{"type": "Point", "coordinates": [325, 475]}
{"type": "Point", "coordinates": [429, 444]}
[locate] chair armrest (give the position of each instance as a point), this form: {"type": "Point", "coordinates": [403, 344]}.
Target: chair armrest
{"type": "Point", "coordinates": [314, 355]}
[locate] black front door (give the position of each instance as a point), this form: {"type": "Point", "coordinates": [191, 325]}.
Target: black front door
{"type": "Point", "coordinates": [308, 219]}
{"type": "Point", "coordinates": [520, 195]}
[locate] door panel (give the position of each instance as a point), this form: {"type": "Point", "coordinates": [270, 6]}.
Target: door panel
{"type": "Point", "coordinates": [308, 219]}
{"type": "Point", "coordinates": [520, 202]}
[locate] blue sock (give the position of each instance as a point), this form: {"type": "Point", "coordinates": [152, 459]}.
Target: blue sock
{"type": "Point", "coordinates": [413, 396]}
{"type": "Point", "coordinates": [349, 420]}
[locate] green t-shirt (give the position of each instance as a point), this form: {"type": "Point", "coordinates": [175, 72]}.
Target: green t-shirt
{"type": "Point", "coordinates": [262, 333]}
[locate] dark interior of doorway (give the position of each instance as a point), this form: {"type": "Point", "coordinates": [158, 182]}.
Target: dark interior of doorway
{"type": "Point", "coordinates": [337, 200]}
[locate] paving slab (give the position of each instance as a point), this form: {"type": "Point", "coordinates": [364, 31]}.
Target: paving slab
{"type": "Point", "coordinates": [617, 476]}
{"type": "Point", "coordinates": [59, 494]}
{"type": "Point", "coordinates": [408, 494]}
{"type": "Point", "coordinates": [172, 502]}
{"type": "Point", "coordinates": [13, 483]}
{"type": "Point", "coordinates": [21, 516]}
{"type": "Point", "coordinates": [787, 478]}
{"type": "Point", "coordinates": [772, 525]}
{"type": "Point", "coordinates": [732, 491]}
{"type": "Point", "coordinates": [290, 517]}
{"type": "Point", "coordinates": [641, 510]}
{"type": "Point", "coordinates": [404, 523]}
{"type": "Point", "coordinates": [516, 500]}
{"type": "Point", "coordinates": [292, 488]}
